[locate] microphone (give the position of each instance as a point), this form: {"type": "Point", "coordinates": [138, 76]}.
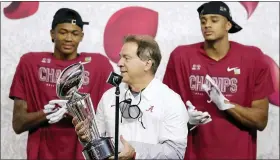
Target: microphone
{"type": "Point", "coordinates": [115, 80]}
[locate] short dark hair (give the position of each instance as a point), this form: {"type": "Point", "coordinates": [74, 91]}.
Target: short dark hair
{"type": "Point", "coordinates": [148, 48]}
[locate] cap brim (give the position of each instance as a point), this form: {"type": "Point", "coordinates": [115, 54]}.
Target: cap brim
{"type": "Point", "coordinates": [86, 23]}
{"type": "Point", "coordinates": [235, 27]}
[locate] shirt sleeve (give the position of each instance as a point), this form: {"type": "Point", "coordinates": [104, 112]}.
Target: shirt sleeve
{"type": "Point", "coordinates": [173, 136]}
{"type": "Point", "coordinates": [263, 86]}
{"type": "Point", "coordinates": [17, 88]}
{"type": "Point", "coordinates": [175, 76]}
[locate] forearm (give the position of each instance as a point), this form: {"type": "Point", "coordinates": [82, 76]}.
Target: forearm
{"type": "Point", "coordinates": [28, 121]}
{"type": "Point", "coordinates": [250, 117]}
{"type": "Point", "coordinates": [165, 150]}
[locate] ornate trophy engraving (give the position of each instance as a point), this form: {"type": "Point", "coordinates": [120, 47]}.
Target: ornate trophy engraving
{"type": "Point", "coordinates": [79, 104]}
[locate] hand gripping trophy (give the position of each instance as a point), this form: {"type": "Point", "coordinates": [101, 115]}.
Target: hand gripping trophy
{"type": "Point", "coordinates": [80, 105]}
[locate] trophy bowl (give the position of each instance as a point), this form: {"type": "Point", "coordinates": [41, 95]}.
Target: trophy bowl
{"type": "Point", "coordinates": [70, 80]}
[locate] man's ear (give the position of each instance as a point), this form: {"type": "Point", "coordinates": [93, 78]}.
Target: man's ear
{"type": "Point", "coordinates": [52, 35]}
{"type": "Point", "coordinates": [148, 65]}
{"type": "Point", "coordinates": [228, 25]}
{"type": "Point", "coordinates": [82, 37]}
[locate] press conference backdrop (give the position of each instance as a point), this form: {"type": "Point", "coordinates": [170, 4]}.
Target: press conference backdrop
{"type": "Point", "coordinates": [25, 27]}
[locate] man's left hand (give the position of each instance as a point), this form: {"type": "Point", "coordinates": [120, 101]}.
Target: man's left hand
{"type": "Point", "coordinates": [128, 151]}
{"type": "Point", "coordinates": [216, 95]}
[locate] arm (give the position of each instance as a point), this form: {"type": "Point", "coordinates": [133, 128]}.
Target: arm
{"type": "Point", "coordinates": [173, 136]}
{"type": "Point", "coordinates": [22, 120]}
{"type": "Point", "coordinates": [256, 115]}
{"type": "Point", "coordinates": [171, 78]}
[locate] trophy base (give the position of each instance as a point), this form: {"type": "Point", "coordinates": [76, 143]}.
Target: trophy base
{"type": "Point", "coordinates": [102, 148]}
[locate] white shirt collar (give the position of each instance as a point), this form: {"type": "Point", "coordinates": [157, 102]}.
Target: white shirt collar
{"type": "Point", "coordinates": [149, 91]}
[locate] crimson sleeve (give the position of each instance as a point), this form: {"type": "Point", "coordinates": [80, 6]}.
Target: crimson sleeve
{"type": "Point", "coordinates": [17, 88]}
{"type": "Point", "coordinates": [263, 86]}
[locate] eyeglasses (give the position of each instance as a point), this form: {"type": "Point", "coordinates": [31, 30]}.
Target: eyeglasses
{"type": "Point", "coordinates": [129, 111]}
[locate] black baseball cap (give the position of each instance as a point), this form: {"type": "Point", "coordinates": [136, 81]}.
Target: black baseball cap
{"type": "Point", "coordinates": [218, 7]}
{"type": "Point", "coordinates": [66, 15]}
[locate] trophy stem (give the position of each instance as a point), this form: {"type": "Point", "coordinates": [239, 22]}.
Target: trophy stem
{"type": "Point", "coordinates": [77, 108]}
{"type": "Point", "coordinates": [117, 123]}
{"type": "Point", "coordinates": [94, 129]}
{"type": "Point", "coordinates": [96, 133]}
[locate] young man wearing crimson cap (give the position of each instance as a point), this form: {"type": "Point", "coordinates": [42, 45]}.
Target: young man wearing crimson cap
{"type": "Point", "coordinates": [225, 85]}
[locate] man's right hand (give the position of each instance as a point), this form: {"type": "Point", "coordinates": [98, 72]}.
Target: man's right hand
{"type": "Point", "coordinates": [81, 129]}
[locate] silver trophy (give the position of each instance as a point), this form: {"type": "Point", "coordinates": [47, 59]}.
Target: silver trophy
{"type": "Point", "coordinates": [80, 105]}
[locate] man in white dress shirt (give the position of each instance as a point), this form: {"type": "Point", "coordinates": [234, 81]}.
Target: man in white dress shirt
{"type": "Point", "coordinates": [153, 118]}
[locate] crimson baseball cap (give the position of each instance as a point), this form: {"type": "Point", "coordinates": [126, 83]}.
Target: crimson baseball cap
{"type": "Point", "coordinates": [67, 15]}
{"type": "Point", "coordinates": [218, 7]}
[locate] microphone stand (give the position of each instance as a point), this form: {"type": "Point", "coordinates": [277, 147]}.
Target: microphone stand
{"type": "Point", "coordinates": [115, 80]}
{"type": "Point", "coordinates": [117, 93]}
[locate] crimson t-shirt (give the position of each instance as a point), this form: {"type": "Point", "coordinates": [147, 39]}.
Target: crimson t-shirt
{"type": "Point", "coordinates": [242, 76]}
{"type": "Point", "coordinates": [35, 82]}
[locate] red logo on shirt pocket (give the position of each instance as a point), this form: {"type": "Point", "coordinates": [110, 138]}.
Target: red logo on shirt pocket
{"type": "Point", "coordinates": [150, 109]}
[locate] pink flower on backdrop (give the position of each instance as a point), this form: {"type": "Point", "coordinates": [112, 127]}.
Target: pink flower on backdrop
{"type": "Point", "coordinates": [250, 7]}
{"type": "Point", "coordinates": [19, 10]}
{"type": "Point", "coordinates": [274, 68]}
{"type": "Point", "coordinates": [129, 20]}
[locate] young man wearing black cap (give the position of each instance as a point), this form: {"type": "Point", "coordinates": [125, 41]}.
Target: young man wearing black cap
{"type": "Point", "coordinates": [233, 76]}
{"type": "Point", "coordinates": [33, 89]}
